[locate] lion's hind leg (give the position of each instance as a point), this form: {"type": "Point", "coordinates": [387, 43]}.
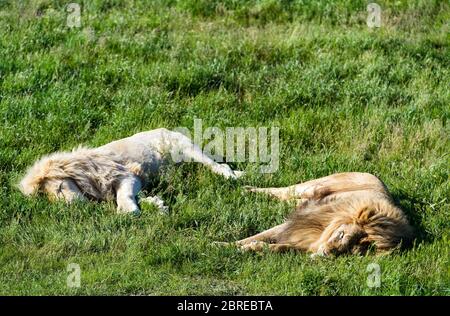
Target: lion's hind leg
{"type": "Point", "coordinates": [283, 194]}
{"type": "Point", "coordinates": [183, 149]}
{"type": "Point", "coordinates": [317, 189]}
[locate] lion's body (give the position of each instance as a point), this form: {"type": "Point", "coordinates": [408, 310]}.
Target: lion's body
{"type": "Point", "coordinates": [116, 170]}
{"type": "Point", "coordinates": [356, 203]}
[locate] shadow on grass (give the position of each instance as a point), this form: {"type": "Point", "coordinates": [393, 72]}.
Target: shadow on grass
{"type": "Point", "coordinates": [412, 207]}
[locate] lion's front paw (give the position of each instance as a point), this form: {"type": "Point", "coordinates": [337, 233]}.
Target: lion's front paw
{"type": "Point", "coordinates": [132, 211]}
{"type": "Point", "coordinates": [321, 252]}
{"type": "Point", "coordinates": [255, 245]}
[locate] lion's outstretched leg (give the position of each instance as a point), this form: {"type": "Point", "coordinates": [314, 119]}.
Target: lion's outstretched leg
{"type": "Point", "coordinates": [319, 188]}
{"type": "Point", "coordinates": [261, 240]}
{"type": "Point", "coordinates": [283, 194]}
{"type": "Point", "coordinates": [126, 192]}
{"type": "Point", "coordinates": [313, 189]}
{"type": "Point", "coordinates": [258, 246]}
{"type": "Point", "coordinates": [188, 151]}
{"type": "Point", "coordinates": [266, 235]}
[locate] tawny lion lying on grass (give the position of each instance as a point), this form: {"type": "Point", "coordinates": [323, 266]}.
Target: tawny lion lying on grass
{"type": "Point", "coordinates": [337, 214]}
{"type": "Point", "coordinates": [116, 170]}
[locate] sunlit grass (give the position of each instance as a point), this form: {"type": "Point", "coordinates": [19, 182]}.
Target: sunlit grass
{"type": "Point", "coordinates": [345, 97]}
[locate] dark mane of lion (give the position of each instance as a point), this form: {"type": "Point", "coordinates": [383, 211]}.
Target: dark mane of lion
{"type": "Point", "coordinates": [385, 224]}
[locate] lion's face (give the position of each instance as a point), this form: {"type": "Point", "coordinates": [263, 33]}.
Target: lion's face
{"type": "Point", "coordinates": [65, 189]}
{"type": "Point", "coordinates": [347, 238]}
{"type": "Point", "coordinates": [52, 188]}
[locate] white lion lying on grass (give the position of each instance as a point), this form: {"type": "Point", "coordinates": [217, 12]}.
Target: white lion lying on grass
{"type": "Point", "coordinates": [117, 170]}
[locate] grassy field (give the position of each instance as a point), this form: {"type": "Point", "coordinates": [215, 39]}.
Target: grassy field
{"type": "Point", "coordinates": [345, 97]}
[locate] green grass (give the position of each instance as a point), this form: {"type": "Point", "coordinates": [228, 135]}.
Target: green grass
{"type": "Point", "coordinates": [346, 98]}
